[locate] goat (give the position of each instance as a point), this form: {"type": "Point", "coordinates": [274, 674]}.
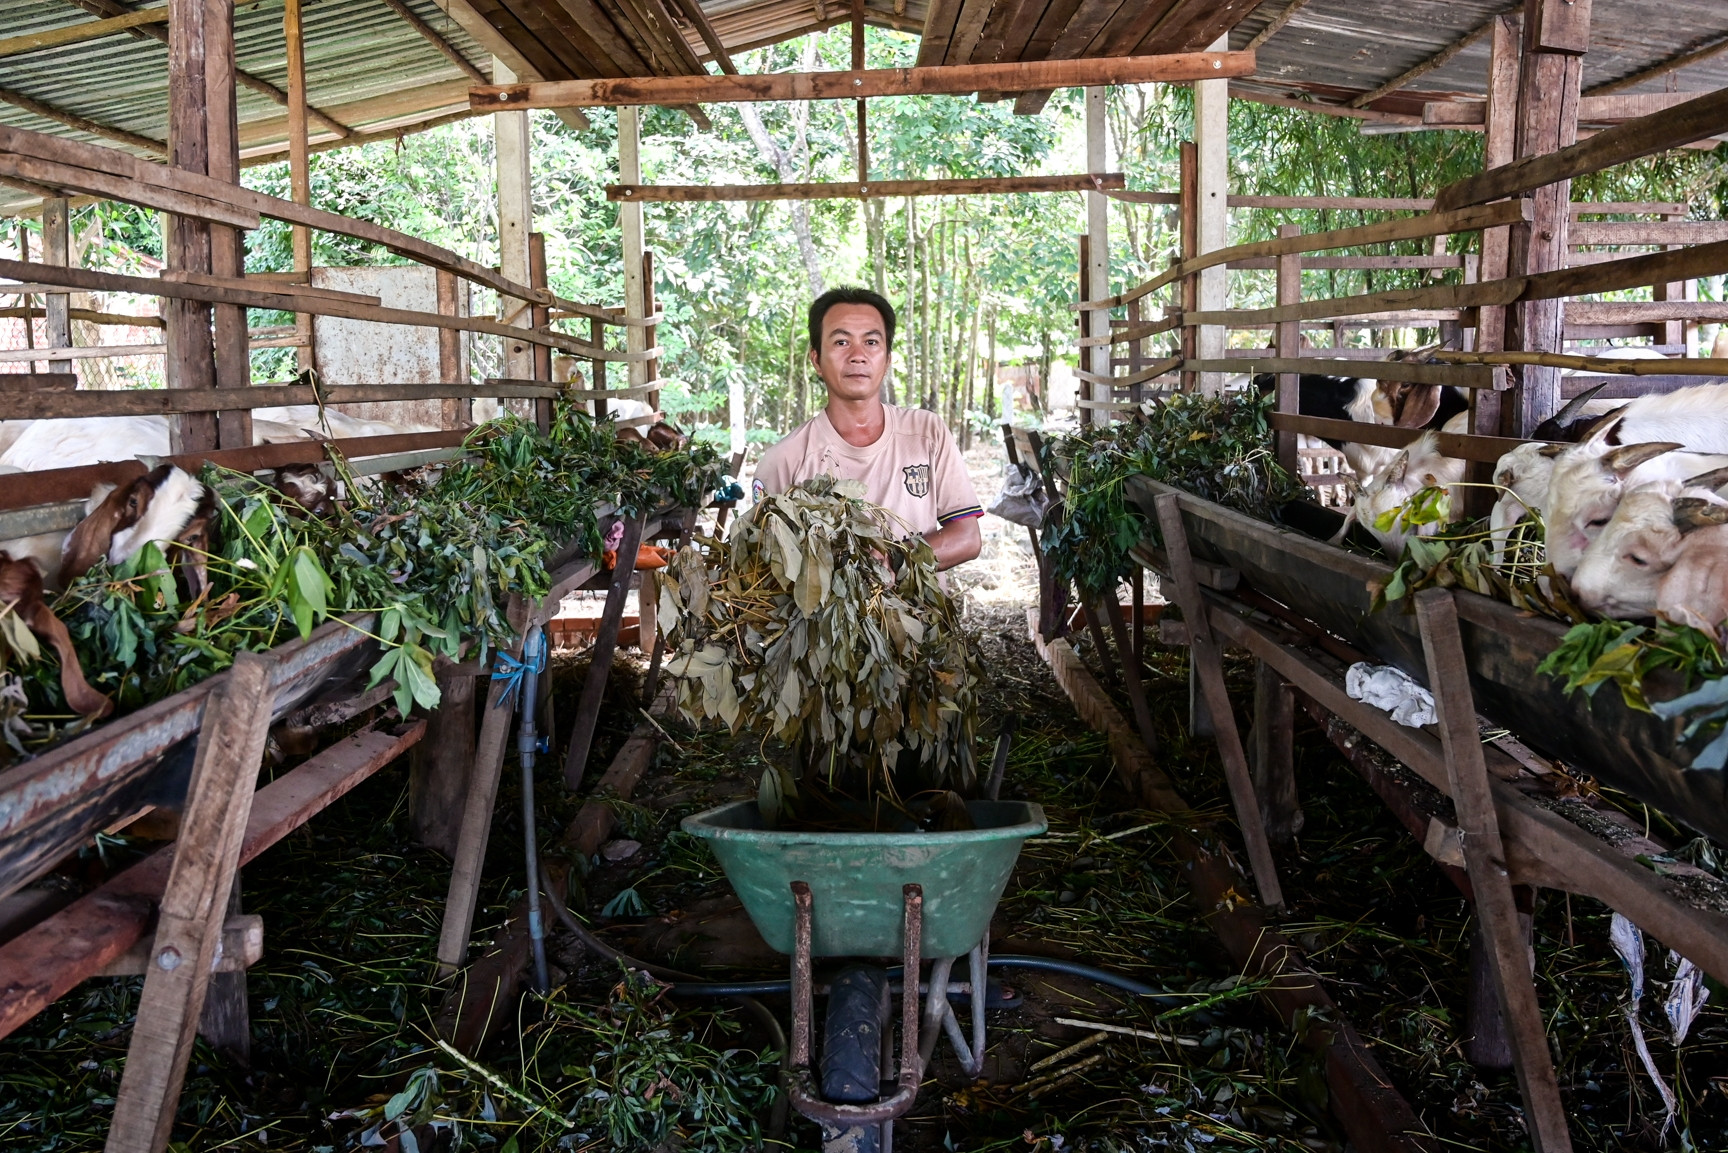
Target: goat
{"type": "Point", "coordinates": [1417, 466]}
{"type": "Point", "coordinates": [1619, 574]}
{"type": "Point", "coordinates": [87, 440]}
{"type": "Point", "coordinates": [157, 506]}
{"type": "Point", "coordinates": [1695, 591]}
{"type": "Point", "coordinates": [21, 591]}
{"type": "Point", "coordinates": [1589, 478]}
{"type": "Point", "coordinates": [1367, 401]}
{"type": "Point", "coordinates": [188, 554]}
{"type": "Point", "coordinates": [309, 418]}
{"type": "Point", "coordinates": [307, 486]}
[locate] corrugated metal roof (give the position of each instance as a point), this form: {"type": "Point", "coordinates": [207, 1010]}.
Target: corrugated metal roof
{"type": "Point", "coordinates": [1341, 48]}
{"type": "Point", "coordinates": [365, 66]}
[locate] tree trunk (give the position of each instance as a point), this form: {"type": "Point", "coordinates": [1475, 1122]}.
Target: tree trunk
{"type": "Point", "coordinates": [990, 378]}
{"type": "Point", "coordinates": [785, 166]}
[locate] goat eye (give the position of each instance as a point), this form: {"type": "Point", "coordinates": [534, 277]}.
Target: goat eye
{"type": "Point", "coordinates": [1599, 522]}
{"type": "Point", "coordinates": [1638, 560]}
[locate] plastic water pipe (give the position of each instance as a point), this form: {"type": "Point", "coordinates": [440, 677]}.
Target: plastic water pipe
{"type": "Point", "coordinates": [528, 744]}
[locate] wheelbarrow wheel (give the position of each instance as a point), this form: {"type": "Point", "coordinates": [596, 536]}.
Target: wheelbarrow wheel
{"type": "Point", "coordinates": [859, 1010]}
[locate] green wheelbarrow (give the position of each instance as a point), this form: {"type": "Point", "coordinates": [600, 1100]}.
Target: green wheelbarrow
{"type": "Point", "coordinates": [918, 895]}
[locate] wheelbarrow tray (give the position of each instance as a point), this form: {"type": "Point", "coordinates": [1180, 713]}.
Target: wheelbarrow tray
{"type": "Point", "coordinates": [857, 879]}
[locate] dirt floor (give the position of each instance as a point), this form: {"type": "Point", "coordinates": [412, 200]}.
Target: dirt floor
{"type": "Point", "coordinates": [343, 1005]}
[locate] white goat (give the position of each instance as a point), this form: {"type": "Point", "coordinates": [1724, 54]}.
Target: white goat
{"type": "Point", "coordinates": [1695, 591]}
{"type": "Point", "coordinates": [156, 507]}
{"type": "Point", "coordinates": [329, 423]}
{"type": "Point", "coordinates": [1620, 572]}
{"type": "Point", "coordinates": [1418, 466]}
{"type": "Point", "coordinates": [1590, 477]}
{"type": "Point", "coordinates": [87, 440]}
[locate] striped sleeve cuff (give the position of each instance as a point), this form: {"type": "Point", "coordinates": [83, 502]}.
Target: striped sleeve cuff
{"type": "Point", "coordinates": [949, 518]}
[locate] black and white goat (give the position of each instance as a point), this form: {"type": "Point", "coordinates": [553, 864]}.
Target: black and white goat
{"type": "Point", "coordinates": [159, 507]}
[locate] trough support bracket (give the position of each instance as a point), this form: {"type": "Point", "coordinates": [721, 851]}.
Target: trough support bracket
{"type": "Point", "coordinates": [1209, 666]}
{"type": "Point", "coordinates": [1485, 861]}
{"type": "Point", "coordinates": [605, 645]}
{"type": "Point", "coordinates": [194, 906]}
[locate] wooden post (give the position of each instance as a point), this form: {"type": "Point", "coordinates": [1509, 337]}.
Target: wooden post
{"type": "Point", "coordinates": [454, 412]}
{"type": "Point", "coordinates": [1211, 195]}
{"type": "Point", "coordinates": [1096, 269]}
{"type": "Point", "coordinates": [1090, 322]}
{"type": "Point", "coordinates": [1188, 224]}
{"type": "Point", "coordinates": [597, 337]}
{"type": "Point", "coordinates": [1207, 660]}
{"type": "Point", "coordinates": [476, 827]}
{"type": "Point", "coordinates": [1487, 1044]}
{"type": "Point", "coordinates": [1485, 861]}
{"type": "Point", "coordinates": [440, 765]}
{"type": "Point", "coordinates": [1131, 674]}
{"type": "Point", "coordinates": [600, 664]}
{"type": "Point", "coordinates": [227, 245]}
{"type": "Point", "coordinates": [651, 369]}
{"type": "Point", "coordinates": [1674, 332]}
{"type": "Point", "coordinates": [194, 906]}
{"type": "Point", "coordinates": [57, 249]}
{"type": "Point", "coordinates": [515, 223]}
{"type": "Point", "coordinates": [862, 110]}
{"type": "Point", "coordinates": [190, 360]}
{"type": "Point", "coordinates": [299, 172]}
{"type": "Point", "coordinates": [1273, 755]}
{"type": "Point", "coordinates": [630, 222]}
{"type": "Point", "coordinates": [540, 318]}
{"type": "Point", "coordinates": [1547, 122]}
{"type": "Point", "coordinates": [226, 1023]}
{"type": "Point", "coordinates": [1288, 341]}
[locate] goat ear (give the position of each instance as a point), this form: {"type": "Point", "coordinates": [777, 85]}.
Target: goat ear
{"type": "Point", "coordinates": [1715, 478]}
{"type": "Point", "coordinates": [1691, 512]}
{"type": "Point", "coordinates": [1551, 450]}
{"type": "Point", "coordinates": [1603, 430]}
{"type": "Point", "coordinates": [91, 538]}
{"type": "Point", "coordinates": [1629, 456]}
{"type": "Point", "coordinates": [1414, 405]}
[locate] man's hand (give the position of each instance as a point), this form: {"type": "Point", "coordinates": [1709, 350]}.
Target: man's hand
{"type": "Point", "coordinates": [957, 543]}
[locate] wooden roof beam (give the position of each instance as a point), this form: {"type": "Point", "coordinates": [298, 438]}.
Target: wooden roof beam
{"type": "Point", "coordinates": [1277, 23]}
{"type": "Point", "coordinates": [82, 123]}
{"type": "Point", "coordinates": [1438, 60]}
{"type": "Point", "coordinates": [868, 190]}
{"type": "Point", "coordinates": [1684, 124]}
{"type": "Point", "coordinates": [949, 80]}
{"type": "Point", "coordinates": [705, 29]}
{"type": "Point", "coordinates": [78, 33]}
{"type": "Point", "coordinates": [436, 39]}
{"type": "Point", "coordinates": [1659, 70]}
{"type": "Point", "coordinates": [245, 79]}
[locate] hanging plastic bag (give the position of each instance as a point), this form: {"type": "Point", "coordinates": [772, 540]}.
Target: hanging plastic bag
{"type": "Point", "coordinates": [1022, 499]}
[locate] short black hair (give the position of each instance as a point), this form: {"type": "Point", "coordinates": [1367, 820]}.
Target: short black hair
{"type": "Point", "coordinates": [849, 295]}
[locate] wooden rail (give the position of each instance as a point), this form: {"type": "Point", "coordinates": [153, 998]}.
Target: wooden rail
{"type": "Point", "coordinates": [1478, 375]}
{"type": "Point", "coordinates": [41, 404]}
{"type": "Point", "coordinates": [866, 190]}
{"type": "Point", "coordinates": [951, 80]}
{"type": "Point", "coordinates": [1464, 446]}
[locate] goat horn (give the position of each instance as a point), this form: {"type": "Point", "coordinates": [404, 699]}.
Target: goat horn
{"type": "Point", "coordinates": [1575, 406]}
{"type": "Point", "coordinates": [1691, 512]}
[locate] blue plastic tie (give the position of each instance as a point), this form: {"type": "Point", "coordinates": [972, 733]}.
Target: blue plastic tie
{"type": "Point", "coordinates": [512, 671]}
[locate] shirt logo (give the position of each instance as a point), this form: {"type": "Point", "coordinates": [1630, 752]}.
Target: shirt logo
{"type": "Point", "coordinates": [917, 479]}
{"type": "Point", "coordinates": [756, 490]}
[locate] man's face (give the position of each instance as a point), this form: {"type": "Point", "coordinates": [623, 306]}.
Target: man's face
{"type": "Point", "coordinates": [853, 357]}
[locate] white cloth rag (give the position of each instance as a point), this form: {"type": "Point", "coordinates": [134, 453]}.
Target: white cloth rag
{"type": "Point", "coordinates": [1389, 690]}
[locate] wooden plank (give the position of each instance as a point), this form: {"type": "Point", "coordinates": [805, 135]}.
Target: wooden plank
{"type": "Point", "coordinates": [952, 80]}
{"type": "Point", "coordinates": [1412, 228]}
{"type": "Point", "coordinates": [1272, 756]}
{"type": "Point", "coordinates": [1341, 262]}
{"type": "Point", "coordinates": [1133, 332]}
{"type": "Point", "coordinates": [148, 402]}
{"type": "Point", "coordinates": [1287, 339]}
{"type": "Point", "coordinates": [93, 932]}
{"type": "Point", "coordinates": [1663, 68]}
{"type": "Point", "coordinates": [194, 906]}
{"type": "Point", "coordinates": [1369, 369]}
{"type": "Point", "coordinates": [273, 298]}
{"type": "Point", "coordinates": [600, 660]}
{"type": "Point", "coordinates": [866, 190]}
{"type": "Point", "coordinates": [22, 490]}
{"type": "Point", "coordinates": [233, 200]}
{"type": "Point", "coordinates": [78, 33]}
{"type": "Point", "coordinates": [243, 284]}
{"type": "Point", "coordinates": [434, 38]}
{"type": "Point", "coordinates": [1463, 446]}
{"type": "Point", "coordinates": [1151, 372]}
{"type": "Point", "coordinates": [20, 166]}
{"type": "Point", "coordinates": [1697, 119]}
{"type": "Point", "coordinates": [476, 827]}
{"type": "Point", "coordinates": [1607, 366]}
{"type": "Point", "coordinates": [1485, 860]}
{"type": "Point", "coordinates": [1647, 232]}
{"type": "Point", "coordinates": [1591, 109]}
{"type": "Point", "coordinates": [1439, 60]}
{"type": "Point", "coordinates": [1208, 663]}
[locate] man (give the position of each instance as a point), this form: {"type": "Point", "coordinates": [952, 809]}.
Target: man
{"type": "Point", "coordinates": [906, 457]}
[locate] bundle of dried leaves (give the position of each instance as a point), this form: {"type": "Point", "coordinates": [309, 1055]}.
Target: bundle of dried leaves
{"type": "Point", "coordinates": [818, 623]}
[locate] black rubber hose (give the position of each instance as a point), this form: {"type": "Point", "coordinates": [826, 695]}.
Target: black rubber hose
{"type": "Point", "coordinates": [1003, 961]}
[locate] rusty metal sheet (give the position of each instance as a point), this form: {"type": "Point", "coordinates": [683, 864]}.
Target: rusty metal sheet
{"type": "Point", "coordinates": [51, 805]}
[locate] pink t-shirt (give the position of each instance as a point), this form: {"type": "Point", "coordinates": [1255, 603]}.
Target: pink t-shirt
{"type": "Point", "coordinates": [914, 469]}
